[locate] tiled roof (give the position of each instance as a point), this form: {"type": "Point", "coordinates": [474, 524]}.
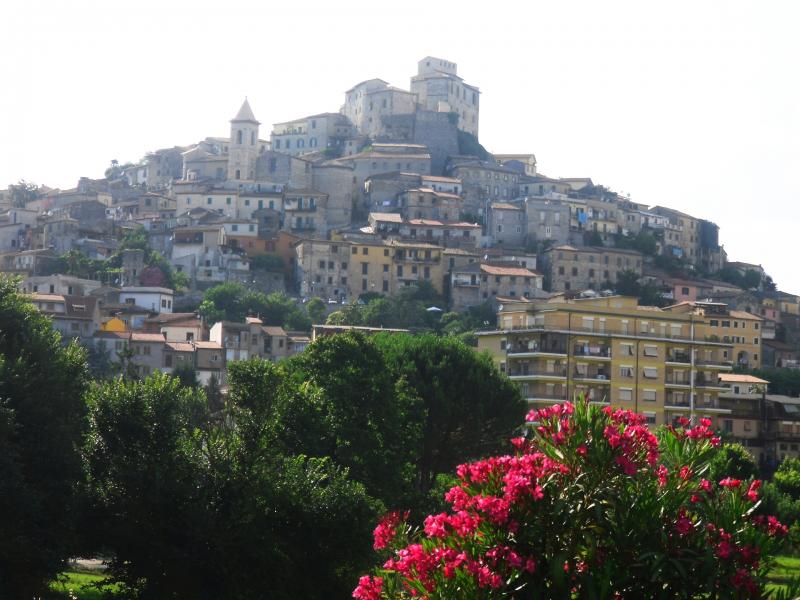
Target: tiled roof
{"type": "Point", "coordinates": [138, 336]}
{"type": "Point", "coordinates": [514, 271]}
{"type": "Point", "coordinates": [180, 346]}
{"type": "Point", "coordinates": [740, 314]}
{"type": "Point", "coordinates": [433, 223]}
{"type": "Point", "coordinates": [208, 345]}
{"type": "Point", "coordinates": [274, 331]}
{"type": "Point", "coordinates": [391, 217]}
{"type": "Point", "coordinates": [739, 378]}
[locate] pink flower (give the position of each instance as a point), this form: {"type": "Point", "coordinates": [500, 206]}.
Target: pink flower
{"type": "Point", "coordinates": [581, 450]}
{"type": "Point", "coordinates": [683, 525]}
{"type": "Point", "coordinates": [685, 473]}
{"type": "Point", "coordinates": [386, 530]}
{"type": "Point", "coordinates": [752, 491]}
{"type": "Point", "coordinates": [730, 482]}
{"type": "Point", "coordinates": [662, 473]}
{"type": "Point", "coordinates": [724, 549]}
{"type": "Point", "coordinates": [705, 486]}
{"type": "Point", "coordinates": [775, 527]}
{"type": "Point", "coordinates": [369, 588]}
{"type": "Point", "coordinates": [705, 422]}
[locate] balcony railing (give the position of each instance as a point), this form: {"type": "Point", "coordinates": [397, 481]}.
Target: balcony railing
{"type": "Point", "coordinates": [562, 372]}
{"type": "Point", "coordinates": [545, 396]}
{"type": "Point", "coordinates": [668, 335]}
{"type": "Point", "coordinates": [679, 357]}
{"type": "Point", "coordinates": [591, 352]}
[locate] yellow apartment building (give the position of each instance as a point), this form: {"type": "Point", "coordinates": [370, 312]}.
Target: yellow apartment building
{"type": "Point", "coordinates": [613, 351]}
{"type": "Point", "coordinates": [742, 330]}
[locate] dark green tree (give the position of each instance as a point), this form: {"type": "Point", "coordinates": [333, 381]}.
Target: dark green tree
{"type": "Point", "coordinates": [351, 410]}
{"type": "Point", "coordinates": [199, 508]}
{"type": "Point", "coordinates": [469, 408]}
{"type": "Point", "coordinates": [316, 310]}
{"type": "Point", "coordinates": [216, 402]}
{"type": "Point", "coordinates": [732, 460]}
{"type": "Point", "coordinates": [186, 375]}
{"type": "Point", "coordinates": [42, 424]}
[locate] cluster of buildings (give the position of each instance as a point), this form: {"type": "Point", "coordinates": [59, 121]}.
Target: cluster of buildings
{"type": "Point", "coordinates": [391, 190]}
{"type": "Point", "coordinates": [136, 327]}
{"type": "Point", "coordinates": [664, 363]}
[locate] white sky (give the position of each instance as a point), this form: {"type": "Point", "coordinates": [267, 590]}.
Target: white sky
{"type": "Point", "coordinates": [694, 105]}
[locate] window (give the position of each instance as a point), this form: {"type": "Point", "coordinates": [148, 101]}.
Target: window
{"type": "Point", "coordinates": [364, 268]}
{"type": "Point", "coordinates": [650, 418]}
{"type": "Point", "coordinates": [354, 251]}
{"type": "Point", "coordinates": [651, 351]}
{"type": "Point", "coordinates": [755, 341]}
{"type": "Point", "coordinates": [209, 200]}
{"type": "Point", "coordinates": [560, 270]}
{"type": "Point", "coordinates": [625, 371]}
{"type": "Point", "coordinates": [365, 251]}
{"type": "Point", "coordinates": [625, 394]}
{"type": "Point", "coordinates": [574, 271]}
{"type": "Point", "coordinates": [727, 425]}
{"type": "Point", "coordinates": [650, 372]}
{"type": "Point", "coordinates": [649, 395]}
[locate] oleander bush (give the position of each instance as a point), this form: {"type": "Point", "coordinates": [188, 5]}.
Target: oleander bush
{"type": "Point", "coordinates": [592, 504]}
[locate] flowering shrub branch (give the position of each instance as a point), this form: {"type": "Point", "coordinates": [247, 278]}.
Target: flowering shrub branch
{"type": "Point", "coordinates": [592, 505]}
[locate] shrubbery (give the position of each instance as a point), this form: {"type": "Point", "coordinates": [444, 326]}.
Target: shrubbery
{"type": "Point", "coordinates": [592, 505]}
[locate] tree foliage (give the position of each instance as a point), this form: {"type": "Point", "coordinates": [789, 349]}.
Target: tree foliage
{"type": "Point", "coordinates": [732, 460]}
{"type": "Point", "coordinates": [42, 423]}
{"type": "Point", "coordinates": [591, 505]}
{"type": "Point", "coordinates": [199, 508]}
{"type": "Point", "coordinates": [234, 302]}
{"type": "Point", "coordinates": [468, 408]}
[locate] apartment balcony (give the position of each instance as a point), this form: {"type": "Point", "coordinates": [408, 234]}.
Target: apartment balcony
{"type": "Point", "coordinates": [671, 380]}
{"type": "Point", "coordinates": [303, 209]}
{"type": "Point", "coordinates": [683, 403]}
{"type": "Point", "coordinates": [682, 358]}
{"type": "Point", "coordinates": [539, 345]}
{"type": "Point", "coordinates": [544, 398]}
{"type": "Point", "coordinates": [538, 374]}
{"type": "Point", "coordinates": [708, 383]}
{"type": "Point", "coordinates": [724, 365]}
{"type": "Point", "coordinates": [592, 352]}
{"type": "Point", "coordinates": [600, 377]}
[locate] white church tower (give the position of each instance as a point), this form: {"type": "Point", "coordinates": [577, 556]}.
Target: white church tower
{"type": "Point", "coordinates": [243, 149]}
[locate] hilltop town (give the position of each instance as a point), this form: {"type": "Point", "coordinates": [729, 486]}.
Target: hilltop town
{"type": "Point", "coordinates": [393, 191]}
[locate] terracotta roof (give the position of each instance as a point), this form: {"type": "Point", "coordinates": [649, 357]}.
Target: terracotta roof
{"type": "Point", "coordinates": [440, 179]}
{"type": "Point", "coordinates": [180, 346]}
{"type": "Point", "coordinates": [739, 378]}
{"type": "Point", "coordinates": [208, 345]}
{"type": "Point", "coordinates": [740, 314]}
{"type": "Point", "coordinates": [138, 336]}
{"type": "Point", "coordinates": [391, 217]}
{"type": "Point", "coordinates": [505, 206]}
{"type": "Point", "coordinates": [514, 271]}
{"type": "Point", "coordinates": [432, 223]}
{"type": "Point", "coordinates": [273, 330]}
{"type": "Point", "coordinates": [47, 297]}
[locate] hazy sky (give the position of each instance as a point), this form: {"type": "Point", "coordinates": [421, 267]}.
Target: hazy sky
{"type": "Point", "coordinates": [694, 105]}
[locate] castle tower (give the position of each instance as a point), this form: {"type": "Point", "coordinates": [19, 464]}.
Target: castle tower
{"type": "Point", "coordinates": [243, 149]}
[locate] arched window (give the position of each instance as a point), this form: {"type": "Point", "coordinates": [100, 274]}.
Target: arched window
{"type": "Point", "coordinates": [239, 136]}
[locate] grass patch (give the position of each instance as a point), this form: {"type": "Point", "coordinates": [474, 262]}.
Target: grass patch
{"type": "Point", "coordinates": [81, 586]}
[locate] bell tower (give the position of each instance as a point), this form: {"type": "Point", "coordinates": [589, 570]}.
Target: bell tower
{"type": "Point", "coordinates": [243, 149]}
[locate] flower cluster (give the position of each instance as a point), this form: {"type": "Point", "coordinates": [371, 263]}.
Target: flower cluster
{"type": "Point", "coordinates": [505, 529]}
{"type": "Point", "coordinates": [387, 529]}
